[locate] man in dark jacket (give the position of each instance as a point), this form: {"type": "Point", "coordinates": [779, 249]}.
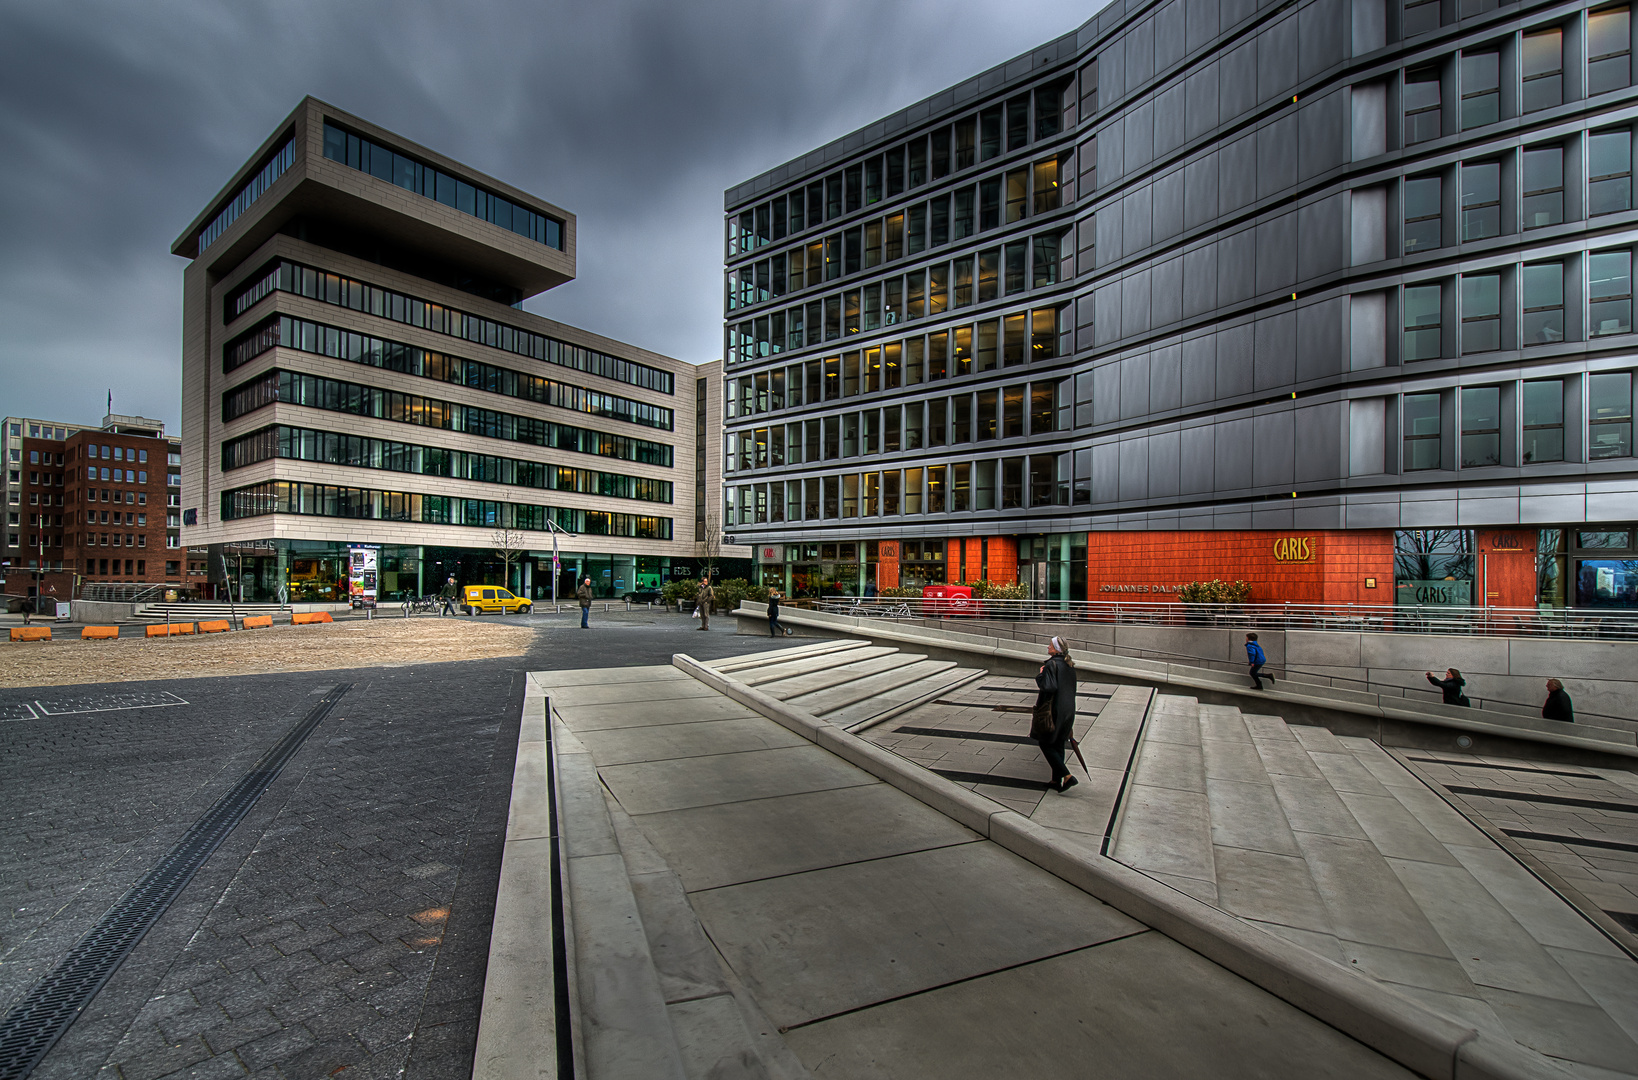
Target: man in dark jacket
{"type": "Point", "coordinates": [584, 595]}
{"type": "Point", "coordinates": [447, 595]}
{"type": "Point", "coordinates": [703, 603]}
{"type": "Point", "coordinates": [774, 627]}
{"type": "Point", "coordinates": [1450, 687]}
{"type": "Point", "coordinates": [1256, 658]}
{"type": "Point", "coordinates": [1557, 706]}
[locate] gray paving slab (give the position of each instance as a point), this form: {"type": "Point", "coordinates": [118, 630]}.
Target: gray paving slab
{"type": "Point", "coordinates": [856, 715]}
{"type": "Point", "coordinates": [1344, 773]}
{"type": "Point", "coordinates": [1173, 720]}
{"type": "Point", "coordinates": [776, 656]}
{"type": "Point", "coordinates": [1249, 816]}
{"type": "Point", "coordinates": [1364, 897]}
{"type": "Point", "coordinates": [853, 660]}
{"type": "Point", "coordinates": [1317, 739]}
{"type": "Point", "coordinates": [1165, 830]}
{"type": "Point", "coordinates": [1269, 888]}
{"type": "Point", "coordinates": [584, 718]}
{"type": "Point", "coordinates": [817, 944]}
{"type": "Point", "coordinates": [1173, 765]}
{"type": "Point", "coordinates": [619, 690]}
{"type": "Point", "coordinates": [1224, 723]}
{"type": "Point", "coordinates": [1544, 916]}
{"type": "Point", "coordinates": [1325, 945]}
{"type": "Point", "coordinates": [1112, 1011]}
{"type": "Point", "coordinates": [1268, 727]}
{"type": "Point", "coordinates": [1488, 942]}
{"type": "Point", "coordinates": [1399, 966]}
{"type": "Point", "coordinates": [1394, 830]}
{"type": "Point", "coordinates": [651, 786]}
{"type": "Point", "coordinates": [620, 746]}
{"type": "Point", "coordinates": [1608, 980]}
{"type": "Point", "coordinates": [1233, 759]}
{"type": "Point", "coordinates": [1085, 809]}
{"type": "Point", "coordinates": [733, 842]}
{"type": "Point", "coordinates": [1564, 1029]}
{"type": "Point", "coordinates": [872, 687]}
{"type": "Point", "coordinates": [1286, 757]}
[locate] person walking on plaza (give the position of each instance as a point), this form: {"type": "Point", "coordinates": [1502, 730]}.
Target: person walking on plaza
{"type": "Point", "coordinates": [702, 605]}
{"type": "Point", "coordinates": [1256, 658]}
{"type": "Point", "coordinates": [1056, 681]}
{"type": "Point", "coordinates": [1557, 705]}
{"type": "Point", "coordinates": [447, 595]}
{"type": "Point", "coordinates": [1451, 687]}
{"type": "Point", "coordinates": [774, 628]}
{"type": "Point", "coordinates": [584, 595]}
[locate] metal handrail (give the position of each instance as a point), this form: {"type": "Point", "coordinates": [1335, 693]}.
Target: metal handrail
{"type": "Point", "coordinates": [1606, 623]}
{"type": "Point", "coordinates": [121, 592]}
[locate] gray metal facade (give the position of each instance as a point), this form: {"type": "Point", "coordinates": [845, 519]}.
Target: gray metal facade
{"type": "Point", "coordinates": [1238, 221]}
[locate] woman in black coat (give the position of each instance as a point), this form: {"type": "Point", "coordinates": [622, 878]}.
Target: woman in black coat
{"type": "Point", "coordinates": [1057, 684]}
{"type": "Point", "coordinates": [1450, 687]}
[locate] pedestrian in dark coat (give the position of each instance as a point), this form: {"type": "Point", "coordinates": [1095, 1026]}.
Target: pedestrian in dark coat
{"type": "Point", "coordinates": [1056, 681]}
{"type": "Point", "coordinates": [1451, 687]}
{"type": "Point", "coordinates": [706, 600]}
{"type": "Point", "coordinates": [774, 628]}
{"type": "Point", "coordinates": [584, 595]}
{"type": "Point", "coordinates": [1557, 705]}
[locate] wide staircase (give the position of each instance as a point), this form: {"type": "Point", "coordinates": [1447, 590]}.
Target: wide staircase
{"type": "Point", "coordinates": [158, 613]}
{"type": "Point", "coordinates": [1335, 844]}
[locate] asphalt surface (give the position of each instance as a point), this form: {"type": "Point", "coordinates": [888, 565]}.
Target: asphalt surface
{"type": "Point", "coordinates": [342, 929]}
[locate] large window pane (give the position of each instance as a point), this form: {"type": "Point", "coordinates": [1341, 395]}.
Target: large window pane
{"type": "Point", "coordinates": [1481, 88]}
{"type": "Point", "coordinates": [1422, 199]}
{"type": "Point", "coordinates": [1422, 435]}
{"type": "Point", "coordinates": [1542, 65]}
{"type": "Point", "coordinates": [1481, 427]}
{"type": "Point", "coordinates": [1420, 17]}
{"type": "Point", "coordinates": [1421, 105]}
{"type": "Point", "coordinates": [1543, 186]}
{"type": "Point", "coordinates": [1481, 313]}
{"type": "Point", "coordinates": [1543, 415]}
{"type": "Point", "coordinates": [1609, 172]}
{"type": "Point", "coordinates": [1609, 293]}
{"type": "Point", "coordinates": [1543, 304]}
{"type": "Point", "coordinates": [1481, 200]}
{"type": "Point", "coordinates": [1609, 415]}
{"type": "Point", "coordinates": [1609, 47]}
{"type": "Point", "coordinates": [1422, 322]}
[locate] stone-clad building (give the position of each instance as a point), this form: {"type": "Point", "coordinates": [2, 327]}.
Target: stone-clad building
{"type": "Point", "coordinates": [357, 372]}
{"type": "Point", "coordinates": [1197, 288]}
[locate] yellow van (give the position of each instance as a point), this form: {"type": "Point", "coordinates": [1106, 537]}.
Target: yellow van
{"type": "Point", "coordinates": [492, 598]}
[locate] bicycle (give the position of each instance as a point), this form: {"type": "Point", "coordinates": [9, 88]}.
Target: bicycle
{"type": "Point", "coordinates": [420, 605]}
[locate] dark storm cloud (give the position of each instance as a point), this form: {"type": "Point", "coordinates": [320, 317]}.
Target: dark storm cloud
{"type": "Point", "coordinates": [118, 122]}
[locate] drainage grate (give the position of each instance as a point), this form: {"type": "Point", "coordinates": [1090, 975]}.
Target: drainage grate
{"type": "Point", "coordinates": [35, 1024]}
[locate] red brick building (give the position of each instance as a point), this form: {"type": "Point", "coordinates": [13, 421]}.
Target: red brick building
{"type": "Point", "coordinates": [98, 506]}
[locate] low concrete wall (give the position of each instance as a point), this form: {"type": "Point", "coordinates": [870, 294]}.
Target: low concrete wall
{"type": "Point", "coordinates": [1504, 674]}
{"type": "Point", "coordinates": [101, 611]}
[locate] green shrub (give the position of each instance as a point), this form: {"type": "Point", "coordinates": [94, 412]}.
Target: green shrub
{"type": "Point", "coordinates": [995, 590]}
{"type": "Point", "coordinates": [901, 591]}
{"type": "Point", "coordinates": [683, 589]}
{"type": "Point", "coordinates": [1215, 592]}
{"type": "Point", "coordinates": [732, 592]}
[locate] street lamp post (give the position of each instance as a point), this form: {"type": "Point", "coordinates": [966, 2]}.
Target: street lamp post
{"type": "Point", "coordinates": [554, 528]}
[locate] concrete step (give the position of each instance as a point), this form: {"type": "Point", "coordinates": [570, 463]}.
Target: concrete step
{"type": "Point", "coordinates": [836, 674]}
{"type": "Point", "coordinates": [886, 705]}
{"type": "Point", "coordinates": [191, 612]}
{"type": "Point", "coordinates": [826, 701]}
{"type": "Point", "coordinates": [807, 665]}
{"type": "Point", "coordinates": [780, 656]}
{"type": "Point", "coordinates": [1164, 828]}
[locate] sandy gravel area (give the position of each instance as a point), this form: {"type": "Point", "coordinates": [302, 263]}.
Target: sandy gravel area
{"type": "Point", "coordinates": [347, 644]}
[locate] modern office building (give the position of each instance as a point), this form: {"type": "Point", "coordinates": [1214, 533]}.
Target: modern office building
{"type": "Point", "coordinates": [94, 505]}
{"type": "Point", "coordinates": [357, 373]}
{"type": "Point", "coordinates": [1332, 296]}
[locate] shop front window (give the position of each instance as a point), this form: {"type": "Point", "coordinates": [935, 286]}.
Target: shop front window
{"type": "Point", "coordinates": [1606, 574]}
{"type": "Point", "coordinates": [1433, 567]}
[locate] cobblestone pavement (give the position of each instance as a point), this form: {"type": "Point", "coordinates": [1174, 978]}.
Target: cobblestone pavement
{"type": "Point", "coordinates": [343, 927]}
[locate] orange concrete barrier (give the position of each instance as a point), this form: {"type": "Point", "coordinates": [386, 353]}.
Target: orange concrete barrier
{"type": "Point", "coordinates": [307, 617]}
{"type": "Point", "coordinates": [31, 633]}
{"type": "Point", "coordinates": [215, 626]}
{"type": "Point", "coordinates": [90, 632]}
{"type": "Point", "coordinates": [162, 629]}
{"type": "Point", "coordinates": [251, 622]}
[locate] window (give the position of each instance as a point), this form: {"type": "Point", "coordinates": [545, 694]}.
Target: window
{"type": "Point", "coordinates": [1420, 17]}
{"type": "Point", "coordinates": [873, 181]}
{"type": "Point", "coordinates": [1543, 186]}
{"type": "Point", "coordinates": [1481, 427]}
{"type": "Point", "coordinates": [1481, 313]}
{"type": "Point", "coordinates": [1542, 65]}
{"type": "Point", "coordinates": [966, 138]}
{"type": "Point", "coordinates": [833, 196]}
{"type": "Point", "coordinates": [918, 162]}
{"type": "Point", "coordinates": [1422, 226]}
{"type": "Point", "coordinates": [1609, 415]}
{"type": "Point", "coordinates": [1609, 172]}
{"type": "Point", "coordinates": [1422, 322]}
{"type": "Point", "coordinates": [941, 153]}
{"type": "Point", "coordinates": [1049, 106]}
{"type": "Point", "coordinates": [1048, 195]}
{"type": "Point", "coordinates": [1422, 437]}
{"type": "Point", "coordinates": [1017, 255]}
{"type": "Point", "coordinates": [1018, 122]}
{"type": "Point", "coordinates": [962, 214]}
{"type": "Point", "coordinates": [989, 139]}
{"type": "Point", "coordinates": [939, 221]}
{"type": "Point", "coordinates": [1543, 414]}
{"type": "Point", "coordinates": [989, 271]}
{"type": "Point", "coordinates": [1046, 260]}
{"type": "Point", "coordinates": [1543, 304]}
{"type": "Point", "coordinates": [1481, 200]}
{"type": "Point", "coordinates": [1422, 117]}
{"type": "Point", "coordinates": [1017, 195]}
{"type": "Point", "coordinates": [1609, 48]}
{"type": "Point", "coordinates": [1012, 483]}
{"type": "Point", "coordinates": [989, 203]}
{"type": "Point", "coordinates": [854, 185]}
{"type": "Point", "coordinates": [1609, 293]}
{"type": "Point", "coordinates": [1481, 88]}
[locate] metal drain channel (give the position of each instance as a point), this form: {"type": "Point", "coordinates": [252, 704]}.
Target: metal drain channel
{"type": "Point", "coordinates": [35, 1023]}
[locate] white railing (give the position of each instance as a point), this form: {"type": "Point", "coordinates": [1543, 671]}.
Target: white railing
{"type": "Point", "coordinates": [1606, 623]}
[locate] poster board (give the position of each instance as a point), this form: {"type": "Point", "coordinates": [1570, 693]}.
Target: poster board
{"type": "Point", "coordinates": [363, 575]}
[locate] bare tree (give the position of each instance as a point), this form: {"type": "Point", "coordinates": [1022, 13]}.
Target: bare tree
{"type": "Point", "coordinates": [509, 546]}
{"type": "Point", "coordinates": [711, 549]}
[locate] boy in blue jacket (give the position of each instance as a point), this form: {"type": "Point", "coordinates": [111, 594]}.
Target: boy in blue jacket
{"type": "Point", "coordinates": [1256, 658]}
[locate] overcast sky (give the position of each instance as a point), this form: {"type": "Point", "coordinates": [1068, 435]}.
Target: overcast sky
{"type": "Point", "coordinates": [118, 121]}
